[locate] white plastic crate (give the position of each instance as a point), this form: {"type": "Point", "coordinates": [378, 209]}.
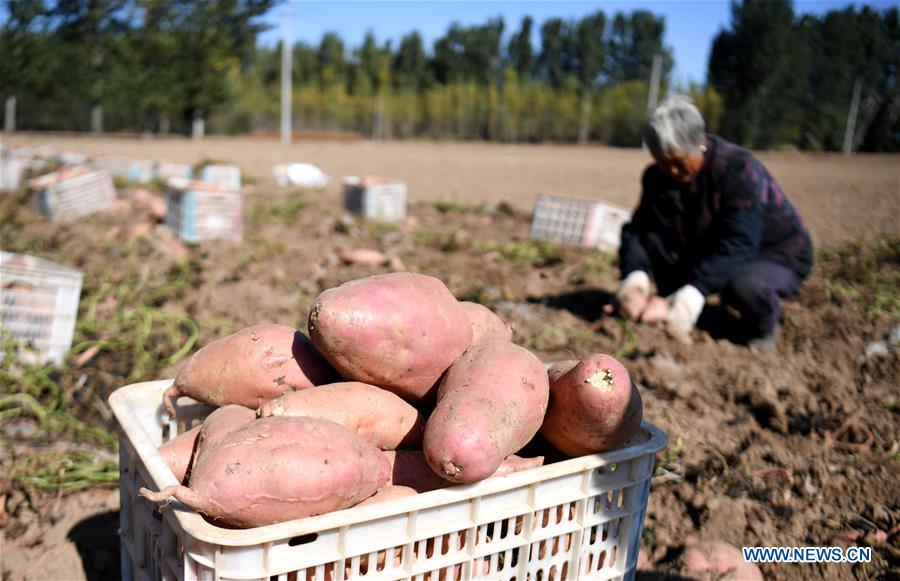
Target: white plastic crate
{"type": "Point", "coordinates": [39, 304]}
{"type": "Point", "coordinates": [586, 223]}
{"type": "Point", "coordinates": [117, 166]}
{"type": "Point", "coordinates": [225, 175]}
{"type": "Point", "coordinates": [166, 170]}
{"type": "Point", "coordinates": [72, 158]}
{"type": "Point", "coordinates": [577, 519]}
{"type": "Point", "coordinates": [11, 169]}
{"type": "Point", "coordinates": [73, 192]}
{"type": "Point", "coordinates": [198, 211]}
{"type": "Point", "coordinates": [141, 171]}
{"type": "Point", "coordinates": [375, 198]}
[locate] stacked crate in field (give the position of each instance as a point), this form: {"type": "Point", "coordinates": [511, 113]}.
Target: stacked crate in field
{"type": "Point", "coordinates": [12, 167]}
{"type": "Point", "coordinates": [72, 158]}
{"type": "Point", "coordinates": [225, 175]}
{"type": "Point", "coordinates": [73, 192]}
{"type": "Point", "coordinates": [141, 171]}
{"type": "Point", "coordinates": [375, 197]}
{"type": "Point", "coordinates": [585, 223]}
{"type": "Point", "coordinates": [167, 169]}
{"type": "Point", "coordinates": [198, 211]}
{"type": "Point", "coordinates": [116, 165]}
{"type": "Point", "coordinates": [38, 305]}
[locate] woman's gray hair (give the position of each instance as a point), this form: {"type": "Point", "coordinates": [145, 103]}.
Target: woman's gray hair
{"type": "Point", "coordinates": [676, 126]}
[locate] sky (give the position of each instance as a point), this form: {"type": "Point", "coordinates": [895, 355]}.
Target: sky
{"type": "Point", "coordinates": [691, 25]}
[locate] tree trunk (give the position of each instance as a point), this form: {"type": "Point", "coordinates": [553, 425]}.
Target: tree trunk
{"type": "Point", "coordinates": [97, 119]}
{"type": "Point", "coordinates": [584, 122]}
{"type": "Point", "coordinates": [9, 122]}
{"type": "Point", "coordinates": [164, 124]}
{"type": "Point", "coordinates": [198, 127]}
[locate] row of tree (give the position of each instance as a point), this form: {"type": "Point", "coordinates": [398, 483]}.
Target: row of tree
{"type": "Point", "coordinates": [161, 65]}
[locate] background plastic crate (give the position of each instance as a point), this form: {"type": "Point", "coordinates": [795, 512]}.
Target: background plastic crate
{"type": "Point", "coordinates": [11, 170]}
{"type": "Point", "coordinates": [197, 211]}
{"type": "Point", "coordinates": [39, 304]}
{"type": "Point", "coordinates": [141, 171]}
{"type": "Point", "coordinates": [224, 175]}
{"type": "Point", "coordinates": [577, 519]}
{"type": "Point", "coordinates": [167, 169]}
{"type": "Point", "coordinates": [375, 198]}
{"type": "Point", "coordinates": [73, 192]}
{"type": "Point", "coordinates": [586, 223]}
{"type": "Point", "coordinates": [117, 166]}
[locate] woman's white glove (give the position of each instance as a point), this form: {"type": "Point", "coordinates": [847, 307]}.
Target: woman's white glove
{"type": "Point", "coordinates": [685, 306]}
{"type": "Point", "coordinates": [633, 294]}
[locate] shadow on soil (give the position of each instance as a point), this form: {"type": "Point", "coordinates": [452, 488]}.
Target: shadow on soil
{"type": "Point", "coordinates": [586, 304]}
{"type": "Point", "coordinates": [97, 540]}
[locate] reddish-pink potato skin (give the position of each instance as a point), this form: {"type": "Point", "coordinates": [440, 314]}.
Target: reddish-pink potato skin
{"type": "Point", "coordinates": [221, 422]}
{"type": "Point", "coordinates": [281, 468]}
{"type": "Point", "coordinates": [490, 403]}
{"type": "Point", "coordinates": [251, 366]}
{"type": "Point", "coordinates": [374, 414]}
{"type": "Point", "coordinates": [485, 323]}
{"type": "Point", "coordinates": [179, 452]}
{"type": "Point", "coordinates": [399, 331]}
{"type": "Point", "coordinates": [584, 417]}
{"type": "Point", "coordinates": [409, 469]}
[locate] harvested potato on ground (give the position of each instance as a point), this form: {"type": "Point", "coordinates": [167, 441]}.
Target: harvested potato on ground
{"type": "Point", "coordinates": [178, 452]}
{"type": "Point", "coordinates": [593, 407]}
{"type": "Point", "coordinates": [399, 331]}
{"type": "Point", "coordinates": [485, 323]}
{"type": "Point", "coordinates": [249, 367]}
{"type": "Point", "coordinates": [490, 403]}
{"type": "Point", "coordinates": [374, 414]}
{"type": "Point", "coordinates": [723, 561]}
{"type": "Point", "coordinates": [280, 468]}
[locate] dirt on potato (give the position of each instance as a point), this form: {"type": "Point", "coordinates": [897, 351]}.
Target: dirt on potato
{"type": "Point", "coordinates": [796, 447]}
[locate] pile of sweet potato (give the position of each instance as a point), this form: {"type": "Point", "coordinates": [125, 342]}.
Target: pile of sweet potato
{"type": "Point", "coordinates": [398, 389]}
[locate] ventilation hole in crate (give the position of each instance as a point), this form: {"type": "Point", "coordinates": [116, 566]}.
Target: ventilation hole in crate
{"type": "Point", "coordinates": [621, 502]}
{"type": "Point", "coordinates": [564, 573]}
{"type": "Point", "coordinates": [593, 534]}
{"type": "Point", "coordinates": [601, 560]}
{"type": "Point", "coordinates": [303, 539]}
{"type": "Point", "coordinates": [429, 548]}
{"type": "Point", "coordinates": [553, 571]}
{"type": "Point", "coordinates": [489, 530]}
{"type": "Point", "coordinates": [504, 529]}
{"type": "Point", "coordinates": [514, 558]}
{"type": "Point", "coordinates": [545, 517]}
{"type": "Point", "coordinates": [612, 555]}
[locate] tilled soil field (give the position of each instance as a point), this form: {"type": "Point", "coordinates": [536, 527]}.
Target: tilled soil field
{"type": "Point", "coordinates": [797, 447]}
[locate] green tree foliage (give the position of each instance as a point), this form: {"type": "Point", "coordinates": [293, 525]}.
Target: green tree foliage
{"type": "Point", "coordinates": [521, 53]}
{"type": "Point", "coordinates": [773, 78]}
{"type": "Point", "coordinates": [784, 80]}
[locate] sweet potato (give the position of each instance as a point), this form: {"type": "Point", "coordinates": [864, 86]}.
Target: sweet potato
{"type": "Point", "coordinates": [280, 468]}
{"type": "Point", "coordinates": [593, 407]}
{"type": "Point", "coordinates": [560, 368]}
{"type": "Point", "coordinates": [374, 414]}
{"type": "Point", "coordinates": [489, 404]}
{"type": "Point", "coordinates": [221, 422]}
{"type": "Point", "coordinates": [722, 560]}
{"type": "Point", "coordinates": [485, 323]}
{"type": "Point", "coordinates": [255, 364]}
{"type": "Point", "coordinates": [389, 493]}
{"type": "Point", "coordinates": [399, 331]}
{"type": "Point", "coordinates": [409, 469]}
{"type": "Point", "coordinates": [179, 452]}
